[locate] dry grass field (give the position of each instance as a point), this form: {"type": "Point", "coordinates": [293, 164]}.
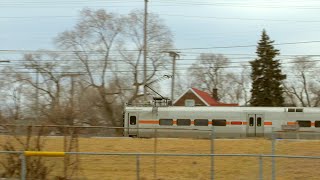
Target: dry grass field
{"type": "Point", "coordinates": [97, 167]}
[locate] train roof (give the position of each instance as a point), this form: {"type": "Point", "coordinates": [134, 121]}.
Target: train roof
{"type": "Point", "coordinates": [223, 109]}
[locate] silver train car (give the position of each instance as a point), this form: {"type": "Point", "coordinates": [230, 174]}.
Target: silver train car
{"type": "Point", "coordinates": [225, 122]}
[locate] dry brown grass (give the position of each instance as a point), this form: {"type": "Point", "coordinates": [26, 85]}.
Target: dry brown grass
{"type": "Point", "coordinates": [124, 167]}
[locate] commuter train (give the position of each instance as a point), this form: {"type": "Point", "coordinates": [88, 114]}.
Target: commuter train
{"type": "Point", "coordinates": [219, 122]}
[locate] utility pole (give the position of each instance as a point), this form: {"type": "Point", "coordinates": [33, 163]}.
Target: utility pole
{"type": "Point", "coordinates": [37, 93]}
{"type": "Point", "coordinates": [174, 56]}
{"type": "Point", "coordinates": [71, 144]}
{"type": "Point", "coordinates": [145, 53]}
{"type": "Point", "coordinates": [72, 96]}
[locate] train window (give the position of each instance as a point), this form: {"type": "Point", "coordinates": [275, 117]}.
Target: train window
{"type": "Point", "coordinates": [201, 122]}
{"type": "Point", "coordinates": [259, 121]}
{"type": "Point", "coordinates": [133, 120]}
{"type": "Point", "coordinates": [123, 117]}
{"type": "Point", "coordinates": [183, 122]}
{"type": "Point", "coordinates": [166, 122]}
{"type": "Point", "coordinates": [317, 124]}
{"type": "Point", "coordinates": [251, 121]}
{"type": "Point", "coordinates": [304, 123]}
{"type": "Point", "coordinates": [219, 122]}
{"type": "Point", "coordinates": [295, 110]}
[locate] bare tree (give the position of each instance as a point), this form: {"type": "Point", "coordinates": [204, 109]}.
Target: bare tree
{"type": "Point", "coordinates": [51, 93]}
{"type": "Point", "coordinates": [16, 94]}
{"type": "Point", "coordinates": [100, 58]}
{"type": "Point", "coordinates": [13, 96]}
{"type": "Point", "coordinates": [37, 168]}
{"type": "Point", "coordinates": [210, 72]}
{"type": "Point", "coordinates": [91, 42]}
{"type": "Point", "coordinates": [209, 69]}
{"type": "Point", "coordinates": [159, 39]}
{"type": "Point", "coordinates": [238, 88]}
{"type": "Point", "coordinates": [302, 89]}
{"type": "Point", "coordinates": [109, 49]}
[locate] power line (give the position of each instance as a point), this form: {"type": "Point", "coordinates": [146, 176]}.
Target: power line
{"type": "Point", "coordinates": [168, 66]}
{"type": "Point", "coordinates": [31, 17]}
{"type": "Point", "coordinates": [110, 73]}
{"type": "Point", "coordinates": [244, 46]}
{"type": "Point", "coordinates": [162, 3]}
{"type": "Point", "coordinates": [244, 19]}
{"type": "Point", "coordinates": [123, 61]}
{"type": "Point", "coordinates": [158, 50]}
{"type": "Point", "coordinates": [178, 15]}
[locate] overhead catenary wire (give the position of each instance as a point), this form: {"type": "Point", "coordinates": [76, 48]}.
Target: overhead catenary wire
{"type": "Point", "coordinates": [242, 19]}
{"type": "Point", "coordinates": [158, 3]}
{"type": "Point", "coordinates": [160, 50]}
{"type": "Point", "coordinates": [184, 2]}
{"type": "Point", "coordinates": [125, 73]}
{"type": "Point", "coordinates": [183, 61]}
{"type": "Point", "coordinates": [171, 15]}
{"type": "Point", "coordinates": [176, 15]}
{"type": "Point", "coordinates": [75, 63]}
{"type": "Point", "coordinates": [185, 53]}
{"type": "Point", "coordinates": [181, 66]}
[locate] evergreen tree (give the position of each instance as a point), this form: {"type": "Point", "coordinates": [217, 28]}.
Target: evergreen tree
{"type": "Point", "coordinates": [266, 75]}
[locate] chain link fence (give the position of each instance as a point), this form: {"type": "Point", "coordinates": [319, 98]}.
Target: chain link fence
{"type": "Point", "coordinates": [82, 153]}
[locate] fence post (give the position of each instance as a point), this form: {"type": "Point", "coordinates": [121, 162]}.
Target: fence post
{"type": "Point", "coordinates": [65, 149]}
{"type": "Point", "coordinates": [155, 156]}
{"type": "Point", "coordinates": [23, 166]}
{"type": "Point", "coordinates": [138, 166]}
{"type": "Point", "coordinates": [212, 152]}
{"type": "Point", "coordinates": [273, 153]}
{"type": "Point", "coordinates": [260, 168]}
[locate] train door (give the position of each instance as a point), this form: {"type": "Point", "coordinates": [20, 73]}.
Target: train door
{"type": "Point", "coordinates": [255, 125]}
{"type": "Point", "coordinates": [133, 124]}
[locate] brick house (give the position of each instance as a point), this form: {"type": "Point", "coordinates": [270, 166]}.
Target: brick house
{"type": "Point", "coordinates": [195, 97]}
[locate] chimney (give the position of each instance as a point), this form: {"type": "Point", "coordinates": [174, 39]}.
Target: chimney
{"type": "Point", "coordinates": [215, 94]}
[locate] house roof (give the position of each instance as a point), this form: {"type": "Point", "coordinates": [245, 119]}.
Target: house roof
{"type": "Point", "coordinates": [206, 98]}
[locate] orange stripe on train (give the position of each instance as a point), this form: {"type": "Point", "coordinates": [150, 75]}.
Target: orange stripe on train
{"type": "Point", "coordinates": [236, 122]}
{"type": "Point", "coordinates": [267, 123]}
{"type": "Point", "coordinates": [292, 123]}
{"type": "Point", "coordinates": [148, 122]}
{"type": "Point", "coordinates": [228, 122]}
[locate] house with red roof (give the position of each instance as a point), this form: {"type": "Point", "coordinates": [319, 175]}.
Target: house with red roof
{"type": "Point", "coordinates": [195, 97]}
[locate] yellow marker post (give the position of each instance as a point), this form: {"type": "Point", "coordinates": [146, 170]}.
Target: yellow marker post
{"type": "Point", "coordinates": [44, 153]}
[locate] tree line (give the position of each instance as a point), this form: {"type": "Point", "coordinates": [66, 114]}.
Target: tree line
{"type": "Point", "coordinates": [101, 71]}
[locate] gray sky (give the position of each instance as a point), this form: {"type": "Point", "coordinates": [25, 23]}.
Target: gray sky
{"type": "Point", "coordinates": [198, 25]}
{"type": "Point", "coordinates": [31, 24]}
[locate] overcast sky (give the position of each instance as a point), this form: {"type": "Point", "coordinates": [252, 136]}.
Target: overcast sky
{"type": "Point", "coordinates": [218, 26]}
{"type": "Point", "coordinates": [31, 24]}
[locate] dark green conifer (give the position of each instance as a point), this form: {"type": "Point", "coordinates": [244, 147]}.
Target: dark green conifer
{"type": "Point", "coordinates": [266, 75]}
